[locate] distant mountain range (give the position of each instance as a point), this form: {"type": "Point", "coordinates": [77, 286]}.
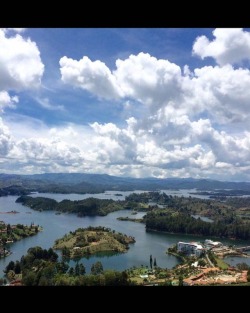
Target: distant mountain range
{"type": "Point", "coordinates": [96, 183]}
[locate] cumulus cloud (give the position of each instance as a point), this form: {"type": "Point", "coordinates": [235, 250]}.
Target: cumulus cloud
{"type": "Point", "coordinates": [148, 79]}
{"type": "Point", "coordinates": [189, 123]}
{"type": "Point", "coordinates": [131, 150]}
{"type": "Point", "coordinates": [141, 77]}
{"type": "Point", "coordinates": [92, 76]}
{"type": "Point", "coordinates": [222, 92]}
{"type": "Point", "coordinates": [231, 45]}
{"type": "Point", "coordinates": [20, 63]}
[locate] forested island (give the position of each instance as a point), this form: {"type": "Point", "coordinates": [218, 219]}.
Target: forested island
{"type": "Point", "coordinates": [11, 233]}
{"type": "Point", "coordinates": [130, 219]}
{"type": "Point", "coordinates": [86, 207]}
{"type": "Point", "coordinates": [231, 217]}
{"type": "Point", "coordinates": [91, 240]}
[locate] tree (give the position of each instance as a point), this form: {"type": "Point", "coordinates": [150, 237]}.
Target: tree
{"type": "Point", "coordinates": [77, 269]}
{"type": "Point", "coordinates": [155, 264]}
{"type": "Point", "coordinates": [9, 267]}
{"type": "Point", "coordinates": [52, 256]}
{"type": "Point", "coordinates": [17, 268]}
{"type": "Point", "coordinates": [242, 266]}
{"type": "Point", "coordinates": [11, 275]}
{"type": "Point", "coordinates": [71, 271]}
{"type": "Point", "coordinates": [201, 262]}
{"type": "Point", "coordinates": [4, 241]}
{"type": "Point", "coordinates": [180, 280]}
{"type": "Point", "coordinates": [29, 279]}
{"type": "Point", "coordinates": [8, 229]}
{"type": "Point", "coordinates": [151, 261]}
{"type": "Point", "coordinates": [82, 269]}
{"type": "Point", "coordinates": [97, 268]}
{"type": "Point", "coordinates": [65, 253]}
{"type": "Point", "coordinates": [62, 267]}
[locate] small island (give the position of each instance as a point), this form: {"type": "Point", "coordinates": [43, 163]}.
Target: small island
{"type": "Point", "coordinates": [88, 241]}
{"type": "Point", "coordinates": [136, 220]}
{"type": "Point", "coordinates": [12, 233]}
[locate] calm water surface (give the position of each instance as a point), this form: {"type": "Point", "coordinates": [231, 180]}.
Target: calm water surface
{"type": "Point", "coordinates": [55, 226]}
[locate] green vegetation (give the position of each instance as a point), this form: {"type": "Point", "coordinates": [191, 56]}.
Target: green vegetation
{"type": "Point", "coordinates": [176, 222]}
{"type": "Point", "coordinates": [91, 240]}
{"type": "Point", "coordinates": [39, 203]}
{"type": "Point", "coordinates": [230, 220]}
{"type": "Point", "coordinates": [86, 207]}
{"type": "Point", "coordinates": [11, 233]}
{"type": "Point", "coordinates": [221, 264]}
{"type": "Point", "coordinates": [136, 220]}
{"type": "Point", "coordinates": [40, 267]}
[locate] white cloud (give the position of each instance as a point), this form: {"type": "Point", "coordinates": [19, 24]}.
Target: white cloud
{"type": "Point", "coordinates": [141, 77]}
{"type": "Point", "coordinates": [147, 79]}
{"type": "Point", "coordinates": [179, 123]}
{"type": "Point", "coordinates": [16, 30]}
{"type": "Point", "coordinates": [221, 92]}
{"type": "Point", "coordinates": [45, 103]}
{"type": "Point", "coordinates": [92, 76]}
{"type": "Point", "coordinates": [106, 148]}
{"type": "Point", "coordinates": [231, 45]}
{"type": "Point", "coordinates": [7, 101]}
{"type": "Point", "coordinates": [6, 143]}
{"type": "Point", "coordinates": [20, 63]}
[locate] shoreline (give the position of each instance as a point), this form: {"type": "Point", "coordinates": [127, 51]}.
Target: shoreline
{"type": "Point", "coordinates": [195, 235]}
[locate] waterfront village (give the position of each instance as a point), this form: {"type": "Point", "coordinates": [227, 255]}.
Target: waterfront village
{"type": "Point", "coordinates": [202, 265]}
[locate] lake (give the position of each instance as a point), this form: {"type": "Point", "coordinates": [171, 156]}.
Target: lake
{"type": "Point", "coordinates": [55, 226]}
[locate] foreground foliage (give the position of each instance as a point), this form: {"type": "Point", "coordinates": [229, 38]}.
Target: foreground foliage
{"type": "Point", "coordinates": [40, 267]}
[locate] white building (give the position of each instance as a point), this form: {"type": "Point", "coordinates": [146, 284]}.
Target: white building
{"type": "Point", "coordinates": [190, 248]}
{"type": "Point", "coordinates": [212, 244]}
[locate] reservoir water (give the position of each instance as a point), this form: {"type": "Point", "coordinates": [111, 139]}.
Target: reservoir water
{"type": "Point", "coordinates": [55, 226]}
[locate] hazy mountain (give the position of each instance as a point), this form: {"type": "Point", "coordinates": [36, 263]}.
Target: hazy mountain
{"type": "Point", "coordinates": [95, 183]}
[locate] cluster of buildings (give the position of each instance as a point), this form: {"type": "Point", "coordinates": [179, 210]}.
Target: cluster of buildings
{"type": "Point", "coordinates": [196, 248]}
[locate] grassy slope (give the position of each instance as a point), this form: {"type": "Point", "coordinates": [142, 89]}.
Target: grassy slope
{"type": "Point", "coordinates": [93, 241]}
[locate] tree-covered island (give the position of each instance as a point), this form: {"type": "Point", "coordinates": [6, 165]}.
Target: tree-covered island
{"type": "Point", "coordinates": [91, 240]}
{"type": "Point", "coordinates": [230, 217]}
{"type": "Point", "coordinates": [11, 233]}
{"type": "Point", "coordinates": [86, 207]}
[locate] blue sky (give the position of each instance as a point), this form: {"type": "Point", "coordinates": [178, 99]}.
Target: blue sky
{"type": "Point", "coordinates": [128, 102]}
{"type": "Point", "coordinates": [106, 45]}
